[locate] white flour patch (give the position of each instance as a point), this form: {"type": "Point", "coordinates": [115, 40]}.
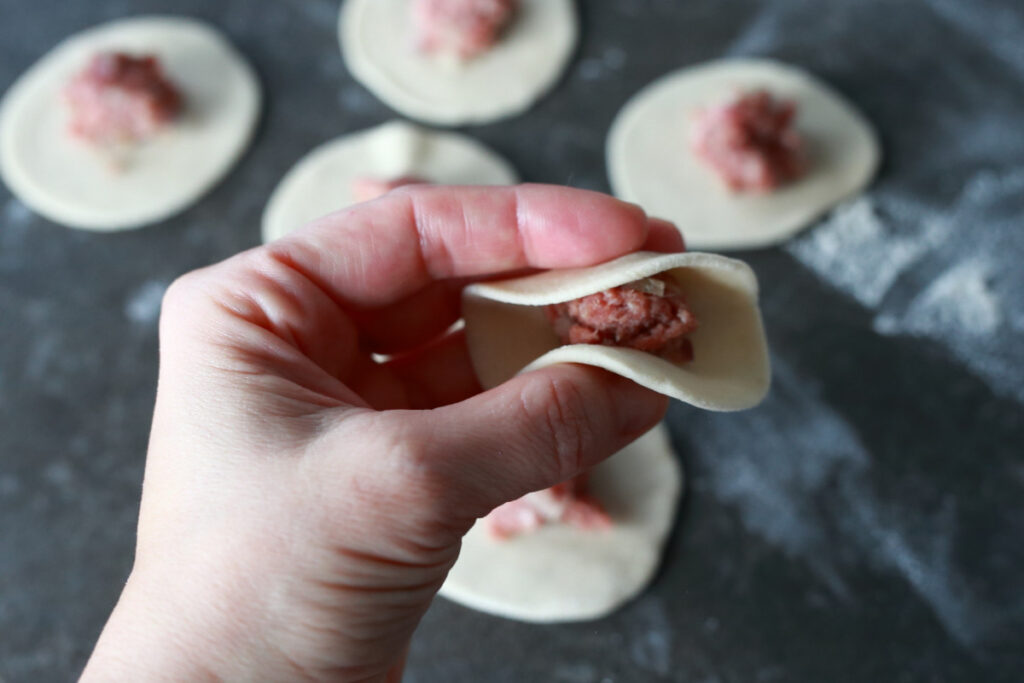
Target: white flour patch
{"type": "Point", "coordinates": [997, 28]}
{"type": "Point", "coordinates": [650, 644]}
{"type": "Point", "coordinates": [15, 219]}
{"type": "Point", "coordinates": [856, 252]}
{"type": "Point", "coordinates": [610, 61]}
{"type": "Point", "coordinates": [354, 99]}
{"type": "Point", "coordinates": [773, 463]}
{"type": "Point", "coordinates": [920, 550]}
{"type": "Point", "coordinates": [42, 357]}
{"type": "Point", "coordinates": [59, 474]}
{"type": "Point", "coordinates": [143, 306]}
{"type": "Point", "coordinates": [760, 35]}
{"type": "Point", "coordinates": [958, 303]}
{"type": "Point", "coordinates": [797, 474]}
{"type": "Point", "coordinates": [973, 307]}
{"type": "Point", "coordinates": [16, 213]}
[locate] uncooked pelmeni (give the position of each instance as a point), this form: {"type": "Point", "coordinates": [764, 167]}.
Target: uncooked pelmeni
{"type": "Point", "coordinates": [650, 160]}
{"type": "Point", "coordinates": [69, 182]}
{"type": "Point", "coordinates": [321, 182]}
{"type": "Point", "coordinates": [563, 573]}
{"type": "Point", "coordinates": [378, 44]}
{"type": "Point", "coordinates": [508, 332]}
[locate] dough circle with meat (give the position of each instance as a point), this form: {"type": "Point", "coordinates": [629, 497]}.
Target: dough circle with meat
{"type": "Point", "coordinates": [378, 45]}
{"type": "Point", "coordinates": [650, 160]}
{"type": "Point", "coordinates": [562, 573]}
{"type": "Point", "coordinates": [322, 181]}
{"type": "Point", "coordinates": [507, 330]}
{"type": "Point", "coordinates": [72, 183]}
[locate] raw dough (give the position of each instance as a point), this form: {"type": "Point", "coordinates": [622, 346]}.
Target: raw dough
{"type": "Point", "coordinates": [321, 182]}
{"type": "Point", "coordinates": [507, 331]}
{"type": "Point", "coordinates": [69, 182]}
{"type": "Point", "coordinates": [650, 161]}
{"type": "Point", "coordinates": [378, 45]}
{"type": "Point", "coordinates": [562, 573]}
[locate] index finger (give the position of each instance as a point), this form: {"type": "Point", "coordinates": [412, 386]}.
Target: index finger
{"type": "Point", "coordinates": [379, 252]}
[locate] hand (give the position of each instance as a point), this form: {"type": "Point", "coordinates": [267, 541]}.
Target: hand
{"type": "Point", "coordinates": [303, 503]}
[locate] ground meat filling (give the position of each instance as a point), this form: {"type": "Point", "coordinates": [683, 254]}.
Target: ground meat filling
{"type": "Point", "coordinates": [648, 315]}
{"type": "Point", "coordinates": [568, 503]}
{"type": "Point", "coordinates": [463, 28]}
{"type": "Point", "coordinates": [750, 142]}
{"type": "Point", "coordinates": [367, 188]}
{"type": "Point", "coordinates": [120, 98]}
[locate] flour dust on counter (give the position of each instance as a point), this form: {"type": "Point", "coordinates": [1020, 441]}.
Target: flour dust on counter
{"type": "Point", "coordinates": [143, 305]}
{"type": "Point", "coordinates": [947, 274]}
{"type": "Point", "coordinates": [807, 490]}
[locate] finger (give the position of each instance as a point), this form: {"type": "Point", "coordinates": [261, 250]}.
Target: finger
{"type": "Point", "coordinates": [438, 374]}
{"type": "Point", "coordinates": [412, 321]}
{"type": "Point", "coordinates": [374, 254]}
{"type": "Point", "coordinates": [531, 432]}
{"type": "Point", "coordinates": [377, 385]}
{"type": "Point", "coordinates": [664, 236]}
{"type": "Point", "coordinates": [427, 313]}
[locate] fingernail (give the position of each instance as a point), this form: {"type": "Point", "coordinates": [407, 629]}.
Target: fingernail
{"type": "Point", "coordinates": [662, 223]}
{"type": "Point", "coordinates": [670, 231]}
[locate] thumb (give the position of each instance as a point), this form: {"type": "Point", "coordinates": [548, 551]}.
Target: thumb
{"type": "Point", "coordinates": [534, 431]}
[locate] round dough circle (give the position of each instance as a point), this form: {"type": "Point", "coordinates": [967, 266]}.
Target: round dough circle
{"type": "Point", "coordinates": [650, 161]}
{"type": "Point", "coordinates": [321, 181]}
{"type": "Point", "coordinates": [378, 45]}
{"type": "Point", "coordinates": [561, 573]}
{"type": "Point", "coordinates": [70, 183]}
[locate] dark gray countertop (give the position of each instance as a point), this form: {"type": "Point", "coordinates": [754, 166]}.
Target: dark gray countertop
{"type": "Point", "coordinates": [865, 524]}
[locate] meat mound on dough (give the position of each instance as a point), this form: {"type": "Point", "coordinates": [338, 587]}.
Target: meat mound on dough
{"type": "Point", "coordinates": [750, 141]}
{"type": "Point", "coordinates": [120, 98]}
{"type": "Point", "coordinates": [648, 315]}
{"type": "Point", "coordinates": [567, 502]}
{"type": "Point", "coordinates": [463, 28]}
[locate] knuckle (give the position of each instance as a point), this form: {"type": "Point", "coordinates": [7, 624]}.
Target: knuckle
{"type": "Point", "coordinates": [557, 411]}
{"type": "Point", "coordinates": [180, 297]}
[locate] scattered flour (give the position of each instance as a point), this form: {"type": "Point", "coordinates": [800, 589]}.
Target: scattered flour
{"type": "Point", "coordinates": [805, 488]}
{"type": "Point", "coordinates": [353, 99]}
{"type": "Point", "coordinates": [650, 644]}
{"type": "Point", "coordinates": [610, 61]}
{"type": "Point", "coordinates": [143, 306]}
{"type": "Point", "coordinates": [973, 306]}
{"type": "Point", "coordinates": [16, 213]}
{"type": "Point", "coordinates": [760, 34]}
{"type": "Point", "coordinates": [15, 220]}
{"type": "Point", "coordinates": [996, 27]}
{"type": "Point", "coordinates": [958, 303]}
{"type": "Point", "coordinates": [60, 474]}
{"type": "Point", "coordinates": [855, 251]}
{"type": "Point", "coordinates": [921, 551]}
{"type": "Point", "coordinates": [802, 447]}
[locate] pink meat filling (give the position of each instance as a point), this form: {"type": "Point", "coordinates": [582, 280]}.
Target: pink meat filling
{"type": "Point", "coordinates": [750, 142]}
{"type": "Point", "coordinates": [121, 98]}
{"type": "Point", "coordinates": [568, 503]}
{"type": "Point", "coordinates": [367, 188]}
{"type": "Point", "coordinates": [464, 28]}
{"type": "Point", "coordinates": [648, 315]}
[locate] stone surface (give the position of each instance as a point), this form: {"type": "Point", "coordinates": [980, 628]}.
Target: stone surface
{"type": "Point", "coordinates": [865, 524]}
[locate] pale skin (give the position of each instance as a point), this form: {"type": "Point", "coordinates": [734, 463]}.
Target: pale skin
{"type": "Point", "coordinates": [302, 504]}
